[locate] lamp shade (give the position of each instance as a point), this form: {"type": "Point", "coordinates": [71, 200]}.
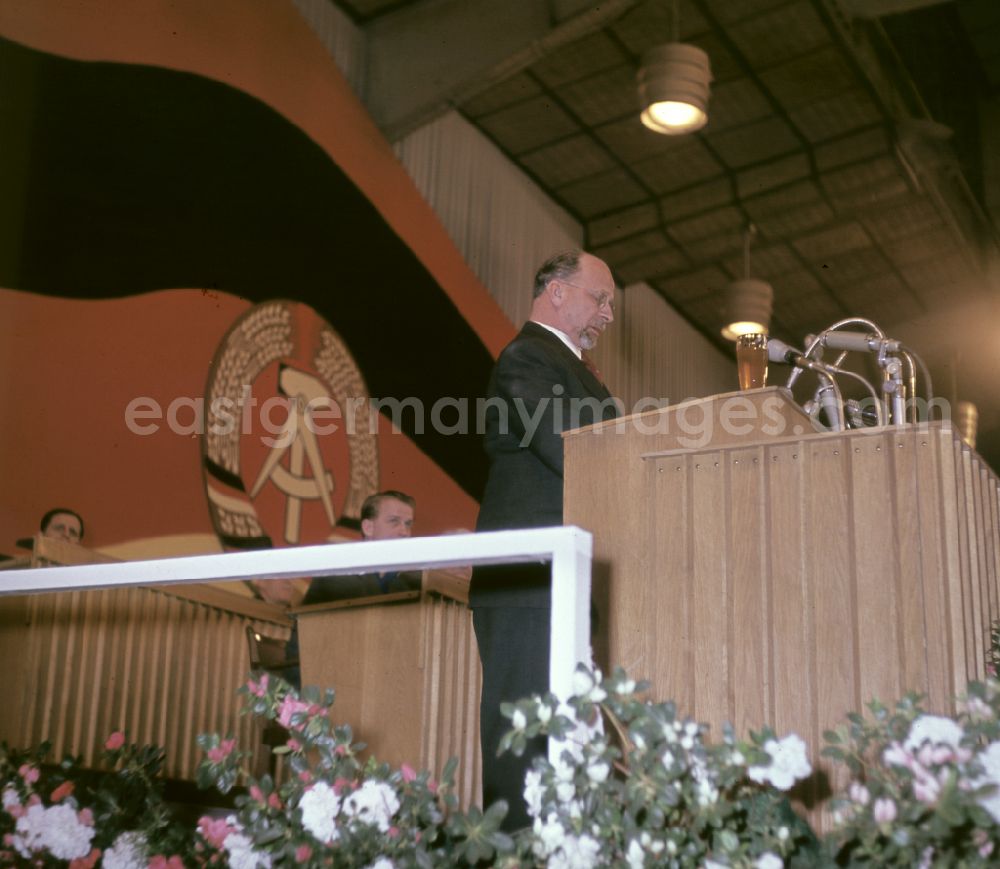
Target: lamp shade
{"type": "Point", "coordinates": [673, 88]}
{"type": "Point", "coordinates": [748, 308]}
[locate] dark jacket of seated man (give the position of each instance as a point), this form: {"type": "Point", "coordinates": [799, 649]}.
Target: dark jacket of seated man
{"type": "Point", "coordinates": [330, 588]}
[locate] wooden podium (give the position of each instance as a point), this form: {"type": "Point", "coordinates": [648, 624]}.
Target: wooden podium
{"type": "Point", "coordinates": [406, 673]}
{"type": "Point", "coordinates": [756, 571]}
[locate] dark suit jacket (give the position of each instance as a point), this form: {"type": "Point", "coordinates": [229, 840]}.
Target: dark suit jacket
{"type": "Point", "coordinates": [538, 390]}
{"type": "Point", "coordinates": [328, 588]}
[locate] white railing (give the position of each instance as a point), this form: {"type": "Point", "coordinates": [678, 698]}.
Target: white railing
{"type": "Point", "coordinates": [569, 549]}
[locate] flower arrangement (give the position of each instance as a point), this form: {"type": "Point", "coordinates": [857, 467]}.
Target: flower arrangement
{"type": "Point", "coordinates": [632, 784]}
{"type": "Point", "coordinates": [649, 790]}
{"type": "Point", "coordinates": [64, 815]}
{"type": "Point", "coordinates": [925, 789]}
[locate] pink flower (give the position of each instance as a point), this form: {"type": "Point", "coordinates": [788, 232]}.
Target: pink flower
{"type": "Point", "coordinates": [256, 794]}
{"type": "Point", "coordinates": [393, 832]}
{"type": "Point", "coordinates": [884, 811]}
{"type": "Point", "coordinates": [342, 784]}
{"type": "Point", "coordinates": [859, 793]}
{"type": "Point", "coordinates": [926, 789]}
{"type": "Point", "coordinates": [61, 792]}
{"type": "Point", "coordinates": [274, 802]}
{"type": "Point", "coordinates": [87, 862]}
{"type": "Point", "coordinates": [85, 817]}
{"type": "Point", "coordinates": [303, 853]}
{"type": "Point", "coordinates": [288, 708]}
{"type": "Point", "coordinates": [28, 773]}
{"type": "Point", "coordinates": [221, 751]}
{"type": "Point", "coordinates": [294, 745]}
{"type": "Point", "coordinates": [981, 839]}
{"type": "Point", "coordinates": [432, 786]}
{"type": "Point", "coordinates": [409, 774]}
{"type": "Point", "coordinates": [258, 689]}
{"type": "Point", "coordinates": [161, 862]}
{"type": "Point", "coordinates": [213, 831]}
{"type": "Point", "coordinates": [17, 811]}
{"type": "Point", "coordinates": [115, 741]}
{"type": "Point", "coordinates": [305, 776]}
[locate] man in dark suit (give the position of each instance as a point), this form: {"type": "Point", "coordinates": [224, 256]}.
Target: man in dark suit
{"type": "Point", "coordinates": [541, 386]}
{"type": "Point", "coordinates": [385, 515]}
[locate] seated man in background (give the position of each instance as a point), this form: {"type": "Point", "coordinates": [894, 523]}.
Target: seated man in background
{"type": "Point", "coordinates": [62, 523]}
{"type": "Point", "coordinates": [59, 523]}
{"type": "Point", "coordinates": [384, 516]}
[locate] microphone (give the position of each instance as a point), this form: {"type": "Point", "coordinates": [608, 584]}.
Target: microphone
{"type": "Point", "coordinates": [860, 342]}
{"type": "Point", "coordinates": [780, 352]}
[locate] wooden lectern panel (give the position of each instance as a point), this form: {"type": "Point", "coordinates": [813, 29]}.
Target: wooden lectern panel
{"type": "Point", "coordinates": [788, 578]}
{"type": "Point", "coordinates": [405, 669]}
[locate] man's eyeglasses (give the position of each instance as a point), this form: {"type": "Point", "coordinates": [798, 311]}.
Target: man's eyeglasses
{"type": "Point", "coordinates": [604, 300]}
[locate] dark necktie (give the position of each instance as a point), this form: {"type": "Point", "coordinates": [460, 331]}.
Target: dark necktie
{"type": "Point", "coordinates": [588, 362]}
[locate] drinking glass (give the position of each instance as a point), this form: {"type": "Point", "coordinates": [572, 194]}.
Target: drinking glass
{"type": "Point", "coordinates": [751, 360]}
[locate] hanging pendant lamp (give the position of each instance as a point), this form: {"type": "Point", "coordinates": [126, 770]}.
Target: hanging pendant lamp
{"type": "Point", "coordinates": [748, 301]}
{"type": "Point", "coordinates": [673, 85]}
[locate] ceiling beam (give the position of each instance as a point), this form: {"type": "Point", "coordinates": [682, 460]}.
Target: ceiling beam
{"type": "Point", "coordinates": [881, 8]}
{"type": "Point", "coordinates": [425, 58]}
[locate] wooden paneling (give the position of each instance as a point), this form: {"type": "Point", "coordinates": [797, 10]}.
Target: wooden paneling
{"type": "Point", "coordinates": [80, 665]}
{"type": "Point", "coordinates": [407, 677]}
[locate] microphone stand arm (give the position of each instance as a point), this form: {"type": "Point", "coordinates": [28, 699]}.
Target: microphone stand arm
{"type": "Point", "coordinates": [817, 341]}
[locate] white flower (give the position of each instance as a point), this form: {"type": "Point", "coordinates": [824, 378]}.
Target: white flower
{"type": "Point", "coordinates": [626, 687]}
{"type": "Point", "coordinates": [565, 786]}
{"type": "Point", "coordinates": [28, 831]}
{"type": "Point", "coordinates": [373, 803]}
{"type": "Point", "coordinates": [128, 851]}
{"type": "Point", "coordinates": [533, 792]}
{"type": "Point", "coordinates": [588, 686]}
{"type": "Point", "coordinates": [935, 729]}
{"type": "Point", "coordinates": [634, 856]}
{"type": "Point", "coordinates": [63, 834]}
{"type": "Point", "coordinates": [769, 860]}
{"type": "Point", "coordinates": [706, 794]}
{"type": "Point", "coordinates": [788, 763]}
{"type": "Point", "coordinates": [549, 835]}
{"type": "Point", "coordinates": [598, 773]}
{"type": "Point", "coordinates": [320, 806]}
{"type": "Point", "coordinates": [544, 713]}
{"type": "Point", "coordinates": [990, 759]}
{"type": "Point", "coordinates": [242, 855]}
{"type": "Point", "coordinates": [10, 797]}
{"type": "Point", "coordinates": [783, 834]}
{"type": "Point", "coordinates": [577, 852]}
{"type": "Point", "coordinates": [383, 863]}
{"type": "Point", "coordinates": [711, 864]}
{"type": "Point", "coordinates": [518, 721]}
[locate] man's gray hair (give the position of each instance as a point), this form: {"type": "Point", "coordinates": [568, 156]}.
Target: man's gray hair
{"type": "Point", "coordinates": [561, 267]}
